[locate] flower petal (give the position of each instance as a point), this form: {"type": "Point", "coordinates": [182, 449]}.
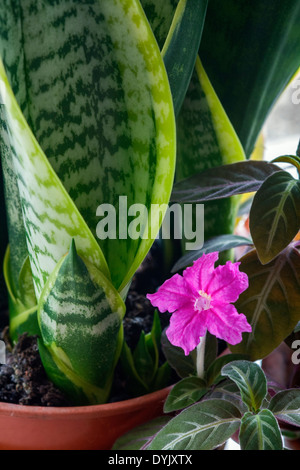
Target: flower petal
{"type": "Point", "coordinates": [227, 283]}
{"type": "Point", "coordinates": [172, 295]}
{"type": "Point", "coordinates": [198, 276]}
{"type": "Point", "coordinates": [226, 323]}
{"type": "Point", "coordinates": [186, 327]}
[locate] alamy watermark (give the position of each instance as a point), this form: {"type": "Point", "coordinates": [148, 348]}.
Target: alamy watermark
{"type": "Point", "coordinates": [296, 354]}
{"type": "Point", "coordinates": [2, 352]}
{"type": "Point", "coordinates": [179, 222]}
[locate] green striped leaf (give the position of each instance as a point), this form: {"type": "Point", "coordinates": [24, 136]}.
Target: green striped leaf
{"type": "Point", "coordinates": [206, 140]}
{"type": "Point", "coordinates": [50, 216]}
{"type": "Point", "coordinates": [260, 432]}
{"type": "Point", "coordinates": [202, 426]}
{"type": "Point", "coordinates": [205, 136]}
{"type": "Point", "coordinates": [16, 231]}
{"type": "Point", "coordinates": [80, 316]}
{"type": "Point", "coordinates": [101, 109]}
{"type": "Point", "coordinates": [251, 381]}
{"type": "Point", "coordinates": [250, 51]}
{"type": "Point", "coordinates": [160, 16]}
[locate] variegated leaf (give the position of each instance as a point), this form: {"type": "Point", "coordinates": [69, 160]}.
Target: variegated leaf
{"type": "Point", "coordinates": [260, 432]}
{"type": "Point", "coordinates": [206, 139]}
{"type": "Point", "coordinates": [101, 109]}
{"type": "Point", "coordinates": [80, 316]}
{"type": "Point", "coordinates": [202, 426]}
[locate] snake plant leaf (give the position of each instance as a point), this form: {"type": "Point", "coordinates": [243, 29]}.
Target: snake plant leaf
{"type": "Point", "coordinates": [142, 364]}
{"type": "Point", "coordinates": [80, 316]}
{"type": "Point", "coordinates": [181, 46]}
{"type": "Point", "coordinates": [250, 51]}
{"type": "Point", "coordinates": [205, 137]}
{"type": "Point", "coordinates": [186, 392]}
{"type": "Point", "coordinates": [22, 301]}
{"type": "Point", "coordinates": [3, 240]}
{"type": "Point", "coordinates": [275, 215]}
{"type": "Point", "coordinates": [50, 215]}
{"type": "Point", "coordinates": [16, 232]}
{"type": "Point", "coordinates": [271, 303]}
{"type": "Point", "coordinates": [100, 108]}
{"type": "Point", "coordinates": [260, 431]}
{"type": "Point", "coordinates": [291, 159]}
{"type": "Point", "coordinates": [206, 140]}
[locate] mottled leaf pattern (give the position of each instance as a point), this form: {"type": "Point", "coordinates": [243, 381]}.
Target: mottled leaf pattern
{"type": "Point", "coordinates": [80, 316]}
{"type": "Point", "coordinates": [202, 426]}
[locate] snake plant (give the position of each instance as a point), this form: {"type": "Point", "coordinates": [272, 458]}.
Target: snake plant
{"type": "Point", "coordinates": [106, 99]}
{"type": "Point", "coordinates": [87, 117]}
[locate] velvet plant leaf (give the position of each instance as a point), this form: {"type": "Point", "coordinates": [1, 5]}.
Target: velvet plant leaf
{"type": "Point", "coordinates": [213, 373]}
{"type": "Point", "coordinates": [250, 51]}
{"type": "Point", "coordinates": [140, 437]}
{"type": "Point", "coordinates": [285, 405]}
{"type": "Point", "coordinates": [260, 432]}
{"type": "Point", "coordinates": [80, 316]}
{"type": "Point", "coordinates": [98, 103]}
{"type": "Point", "coordinates": [219, 243]}
{"type": "Point", "coordinates": [186, 392]}
{"type": "Point", "coordinates": [203, 426]}
{"type": "Point", "coordinates": [275, 215]}
{"type": "Point", "coordinates": [223, 181]}
{"type": "Point", "coordinates": [271, 303]}
{"type": "Point", "coordinates": [229, 391]}
{"type": "Point", "coordinates": [251, 381]}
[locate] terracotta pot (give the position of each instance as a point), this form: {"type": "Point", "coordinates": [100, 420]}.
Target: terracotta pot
{"type": "Point", "coordinates": [93, 427]}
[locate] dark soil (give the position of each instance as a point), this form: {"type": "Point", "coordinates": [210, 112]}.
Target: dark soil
{"type": "Point", "coordinates": [23, 379]}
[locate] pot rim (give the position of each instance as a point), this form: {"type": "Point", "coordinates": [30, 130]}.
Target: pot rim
{"type": "Point", "coordinates": [92, 411]}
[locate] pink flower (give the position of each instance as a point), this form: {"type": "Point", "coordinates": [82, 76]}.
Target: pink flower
{"type": "Point", "coordinates": [201, 300]}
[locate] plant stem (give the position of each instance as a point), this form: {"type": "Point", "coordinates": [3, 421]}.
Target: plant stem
{"type": "Point", "coordinates": [201, 357]}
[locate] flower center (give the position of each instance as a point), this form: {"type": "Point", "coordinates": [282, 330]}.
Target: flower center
{"type": "Point", "coordinates": [202, 302]}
